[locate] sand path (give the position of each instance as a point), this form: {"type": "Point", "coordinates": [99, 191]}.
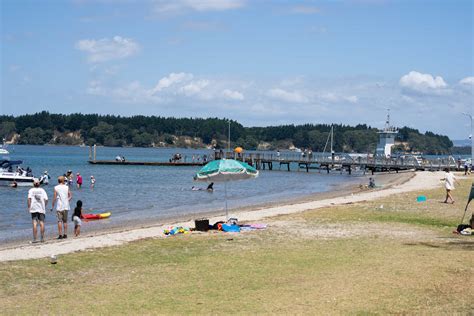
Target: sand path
{"type": "Point", "coordinates": [421, 181]}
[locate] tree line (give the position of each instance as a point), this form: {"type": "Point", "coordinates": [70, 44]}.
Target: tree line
{"type": "Point", "coordinates": [146, 131]}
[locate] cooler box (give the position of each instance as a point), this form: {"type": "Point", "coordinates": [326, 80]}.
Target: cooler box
{"type": "Point", "coordinates": [202, 224]}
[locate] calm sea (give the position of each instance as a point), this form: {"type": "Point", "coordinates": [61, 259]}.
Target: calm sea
{"type": "Point", "coordinates": [144, 193]}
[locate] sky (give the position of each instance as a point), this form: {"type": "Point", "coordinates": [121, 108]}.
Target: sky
{"type": "Point", "coordinates": [259, 62]}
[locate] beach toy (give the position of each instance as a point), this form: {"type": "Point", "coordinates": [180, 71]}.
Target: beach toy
{"type": "Point", "coordinates": [421, 198]}
{"type": "Point", "coordinates": [97, 215]}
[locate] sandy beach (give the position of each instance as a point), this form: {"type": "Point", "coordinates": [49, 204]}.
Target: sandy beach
{"type": "Point", "coordinates": [390, 184]}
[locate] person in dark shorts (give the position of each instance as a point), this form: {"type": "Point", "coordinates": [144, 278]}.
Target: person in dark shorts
{"type": "Point", "coordinates": [37, 201]}
{"type": "Point", "coordinates": [76, 218]}
{"type": "Point", "coordinates": [62, 196]}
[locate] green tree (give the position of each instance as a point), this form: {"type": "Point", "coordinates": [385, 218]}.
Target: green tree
{"type": "Point", "coordinates": [7, 129]}
{"type": "Point", "coordinates": [101, 131]}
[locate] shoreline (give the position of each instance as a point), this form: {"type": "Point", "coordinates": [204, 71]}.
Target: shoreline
{"type": "Point", "coordinates": [346, 194]}
{"type": "Point", "coordinates": [349, 185]}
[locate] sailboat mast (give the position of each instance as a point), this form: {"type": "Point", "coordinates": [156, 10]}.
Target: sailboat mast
{"type": "Point", "coordinates": [228, 139]}
{"type": "Point", "coordinates": [332, 138]}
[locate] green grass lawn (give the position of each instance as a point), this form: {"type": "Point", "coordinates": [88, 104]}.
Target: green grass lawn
{"type": "Point", "coordinates": [271, 271]}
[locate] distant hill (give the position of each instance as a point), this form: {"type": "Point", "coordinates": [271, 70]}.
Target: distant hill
{"type": "Point", "coordinates": [155, 131]}
{"type": "Point", "coordinates": [461, 142]}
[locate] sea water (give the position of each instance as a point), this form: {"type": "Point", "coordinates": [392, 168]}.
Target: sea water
{"type": "Point", "coordinates": [144, 194]}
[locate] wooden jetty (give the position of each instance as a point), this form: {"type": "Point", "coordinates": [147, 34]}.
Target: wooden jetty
{"type": "Point", "coordinates": [146, 163]}
{"type": "Point", "coordinates": [322, 161]}
{"type": "Point", "coordinates": [340, 162]}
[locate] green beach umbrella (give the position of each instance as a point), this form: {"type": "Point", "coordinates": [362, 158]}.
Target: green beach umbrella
{"type": "Point", "coordinates": [225, 170]}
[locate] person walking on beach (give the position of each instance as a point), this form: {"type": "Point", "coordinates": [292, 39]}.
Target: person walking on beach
{"type": "Point", "coordinates": [449, 180]}
{"type": "Point", "coordinates": [76, 218]}
{"type": "Point", "coordinates": [62, 196]}
{"type": "Point", "coordinates": [79, 180]}
{"type": "Point", "coordinates": [37, 201]}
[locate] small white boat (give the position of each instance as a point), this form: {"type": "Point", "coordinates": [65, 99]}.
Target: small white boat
{"type": "Point", "coordinates": [11, 174]}
{"type": "Point", "coordinates": [3, 149]}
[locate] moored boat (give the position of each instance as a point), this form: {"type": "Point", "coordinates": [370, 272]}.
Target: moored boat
{"type": "Point", "coordinates": [12, 174]}
{"type": "Point", "coordinates": [3, 148]}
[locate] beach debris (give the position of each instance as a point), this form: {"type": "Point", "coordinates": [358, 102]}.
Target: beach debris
{"type": "Point", "coordinates": [53, 259]}
{"type": "Point", "coordinates": [175, 230]}
{"type": "Point", "coordinates": [381, 206]}
{"type": "Point", "coordinates": [421, 198]}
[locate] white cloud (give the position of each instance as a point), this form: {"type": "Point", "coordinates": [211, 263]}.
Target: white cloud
{"type": "Point", "coordinates": [469, 81]}
{"type": "Point", "coordinates": [287, 96]}
{"type": "Point", "coordinates": [163, 7]}
{"type": "Point", "coordinates": [108, 49]}
{"type": "Point", "coordinates": [195, 88]}
{"type": "Point", "coordinates": [172, 79]}
{"type": "Point", "coordinates": [314, 100]}
{"type": "Point", "coordinates": [232, 95]}
{"type": "Point", "coordinates": [305, 9]}
{"type": "Point", "coordinates": [424, 83]}
{"type": "Point", "coordinates": [352, 99]}
{"type": "Point", "coordinates": [334, 98]}
{"type": "Point", "coordinates": [95, 88]}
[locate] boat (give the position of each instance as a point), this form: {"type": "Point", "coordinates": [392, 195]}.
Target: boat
{"type": "Point", "coordinates": [12, 174]}
{"type": "Point", "coordinates": [96, 215]}
{"type": "Point", "coordinates": [3, 148]}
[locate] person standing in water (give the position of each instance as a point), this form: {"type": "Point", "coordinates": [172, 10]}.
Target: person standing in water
{"type": "Point", "coordinates": [210, 187]}
{"type": "Point", "coordinates": [79, 180]}
{"type": "Point", "coordinates": [62, 196]}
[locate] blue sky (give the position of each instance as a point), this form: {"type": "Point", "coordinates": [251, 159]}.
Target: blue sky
{"type": "Point", "coordinates": [258, 62]}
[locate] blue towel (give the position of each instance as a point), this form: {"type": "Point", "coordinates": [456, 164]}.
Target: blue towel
{"type": "Point", "coordinates": [231, 228]}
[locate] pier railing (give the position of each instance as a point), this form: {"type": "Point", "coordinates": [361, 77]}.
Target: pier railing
{"type": "Point", "coordinates": [344, 161]}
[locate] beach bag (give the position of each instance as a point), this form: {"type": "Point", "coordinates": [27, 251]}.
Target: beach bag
{"type": "Point", "coordinates": [202, 224]}
{"type": "Point", "coordinates": [462, 227]}
{"type": "Point", "coordinates": [217, 224]}
{"type": "Point", "coordinates": [233, 221]}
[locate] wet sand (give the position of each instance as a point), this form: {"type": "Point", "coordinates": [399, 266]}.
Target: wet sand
{"type": "Point", "coordinates": [387, 184]}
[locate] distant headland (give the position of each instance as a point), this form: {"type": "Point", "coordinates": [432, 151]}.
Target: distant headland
{"type": "Point", "coordinates": [155, 131]}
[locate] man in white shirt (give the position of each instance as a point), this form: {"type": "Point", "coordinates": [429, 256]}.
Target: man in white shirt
{"type": "Point", "coordinates": [62, 196]}
{"type": "Point", "coordinates": [37, 201]}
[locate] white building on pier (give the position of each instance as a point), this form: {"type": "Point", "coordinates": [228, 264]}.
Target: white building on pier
{"type": "Point", "coordinates": [386, 139]}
